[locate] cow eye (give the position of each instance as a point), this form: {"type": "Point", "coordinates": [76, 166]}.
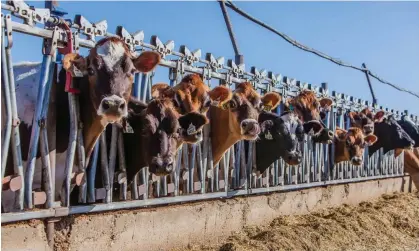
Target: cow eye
{"type": "Point", "coordinates": [233, 105]}
{"type": "Point", "coordinates": [90, 71]}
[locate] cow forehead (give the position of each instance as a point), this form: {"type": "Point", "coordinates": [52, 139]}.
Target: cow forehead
{"type": "Point", "coordinates": [291, 122]}
{"type": "Point", "coordinates": [111, 52]}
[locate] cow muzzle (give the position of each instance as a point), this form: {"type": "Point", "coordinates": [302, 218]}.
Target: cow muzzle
{"type": "Point", "coordinates": [161, 167]}
{"type": "Point", "coordinates": [113, 108]}
{"type": "Point", "coordinates": [368, 129]}
{"type": "Point", "coordinates": [250, 129]}
{"type": "Point", "coordinates": [356, 161]}
{"type": "Point", "coordinates": [293, 157]}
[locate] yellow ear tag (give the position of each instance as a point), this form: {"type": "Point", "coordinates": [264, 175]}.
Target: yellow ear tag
{"type": "Point", "coordinates": [225, 106]}
{"type": "Point", "coordinates": [268, 107]}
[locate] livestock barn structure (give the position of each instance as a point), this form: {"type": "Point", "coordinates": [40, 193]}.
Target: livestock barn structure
{"type": "Point", "coordinates": [103, 137]}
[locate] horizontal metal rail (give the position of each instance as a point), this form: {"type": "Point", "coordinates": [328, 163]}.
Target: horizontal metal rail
{"type": "Point", "coordinates": [97, 208]}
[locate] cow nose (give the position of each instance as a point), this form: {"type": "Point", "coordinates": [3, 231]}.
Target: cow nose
{"type": "Point", "coordinates": [250, 127]}
{"type": "Point", "coordinates": [356, 161]}
{"type": "Point", "coordinates": [330, 134]}
{"type": "Point", "coordinates": [113, 104]}
{"type": "Point", "coordinates": [169, 167]}
{"type": "Point", "coordinates": [368, 129]}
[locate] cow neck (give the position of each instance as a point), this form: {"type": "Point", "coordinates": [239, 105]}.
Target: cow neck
{"type": "Point", "coordinates": [93, 125]}
{"type": "Point", "coordinates": [341, 153]}
{"type": "Point", "coordinates": [223, 135]}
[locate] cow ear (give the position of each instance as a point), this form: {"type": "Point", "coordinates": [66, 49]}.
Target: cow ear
{"type": "Point", "coordinates": [370, 139]}
{"type": "Point", "coordinates": [220, 95]}
{"type": "Point", "coordinates": [354, 117]}
{"type": "Point", "coordinates": [325, 102]}
{"type": "Point", "coordinates": [135, 106]}
{"type": "Point", "coordinates": [266, 125]}
{"type": "Point", "coordinates": [379, 116]}
{"type": "Point", "coordinates": [367, 112]}
{"type": "Point", "coordinates": [312, 127]}
{"type": "Point", "coordinates": [340, 134]}
{"type": "Point", "coordinates": [160, 90]}
{"type": "Point", "coordinates": [192, 122]}
{"type": "Point", "coordinates": [75, 64]}
{"type": "Point", "coordinates": [270, 101]}
{"type": "Point", "coordinates": [147, 61]}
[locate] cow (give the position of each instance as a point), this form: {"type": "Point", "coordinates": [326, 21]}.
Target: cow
{"type": "Point", "coordinates": [364, 120]}
{"type": "Point", "coordinates": [411, 157]}
{"type": "Point", "coordinates": [236, 118]}
{"type": "Point", "coordinates": [350, 145]}
{"type": "Point", "coordinates": [308, 108]}
{"type": "Point", "coordinates": [157, 130]}
{"type": "Point", "coordinates": [390, 135]}
{"type": "Point", "coordinates": [190, 95]}
{"type": "Point", "coordinates": [281, 136]}
{"type": "Point", "coordinates": [105, 79]}
{"type": "Point", "coordinates": [175, 115]}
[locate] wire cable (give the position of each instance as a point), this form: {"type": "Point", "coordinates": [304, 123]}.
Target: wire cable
{"type": "Point", "coordinates": [314, 51]}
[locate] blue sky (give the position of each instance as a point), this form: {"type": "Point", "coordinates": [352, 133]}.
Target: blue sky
{"type": "Point", "coordinates": [384, 35]}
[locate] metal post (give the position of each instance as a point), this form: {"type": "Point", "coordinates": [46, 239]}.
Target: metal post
{"type": "Point", "coordinates": [374, 99]}
{"type": "Point", "coordinates": [91, 175]}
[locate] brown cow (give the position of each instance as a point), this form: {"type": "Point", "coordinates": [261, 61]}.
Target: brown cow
{"type": "Point", "coordinates": [365, 120]}
{"type": "Point", "coordinates": [350, 145]}
{"type": "Point", "coordinates": [190, 95]}
{"type": "Point", "coordinates": [308, 108]}
{"type": "Point", "coordinates": [236, 119]}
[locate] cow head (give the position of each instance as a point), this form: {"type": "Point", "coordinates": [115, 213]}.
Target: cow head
{"type": "Point", "coordinates": [363, 120]}
{"type": "Point", "coordinates": [237, 117]}
{"type": "Point", "coordinates": [352, 144]}
{"type": "Point", "coordinates": [159, 128]}
{"type": "Point", "coordinates": [190, 95]}
{"type": "Point", "coordinates": [410, 128]}
{"type": "Point", "coordinates": [390, 134]}
{"type": "Point", "coordinates": [308, 108]}
{"type": "Point", "coordinates": [108, 69]}
{"type": "Point", "coordinates": [281, 136]}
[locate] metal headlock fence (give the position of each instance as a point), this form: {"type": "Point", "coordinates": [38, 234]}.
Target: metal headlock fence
{"type": "Point", "coordinates": [194, 178]}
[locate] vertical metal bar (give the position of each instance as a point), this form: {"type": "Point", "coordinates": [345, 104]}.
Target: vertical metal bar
{"type": "Point", "coordinates": [112, 156]}
{"type": "Point", "coordinates": [177, 171]}
{"type": "Point", "coordinates": [91, 175]}
{"type": "Point", "coordinates": [7, 130]}
{"type": "Point", "coordinates": [237, 164]}
{"type": "Point", "coordinates": [185, 153]}
{"type": "Point", "coordinates": [105, 167]}
{"type": "Point", "coordinates": [122, 167]}
{"type": "Point", "coordinates": [46, 164]}
{"type": "Point", "coordinates": [33, 145]}
{"type": "Point", "coordinates": [366, 71]}
{"type": "Point", "coordinates": [192, 169]}
{"type": "Point", "coordinates": [200, 166]}
{"type": "Point", "coordinates": [211, 164]}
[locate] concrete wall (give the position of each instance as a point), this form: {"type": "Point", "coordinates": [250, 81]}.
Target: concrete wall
{"type": "Point", "coordinates": [178, 225]}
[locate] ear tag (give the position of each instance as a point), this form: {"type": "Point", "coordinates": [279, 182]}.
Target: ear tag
{"type": "Point", "coordinates": [311, 132]}
{"type": "Point", "coordinates": [215, 103]}
{"type": "Point", "coordinates": [268, 107]}
{"type": "Point", "coordinates": [127, 128]}
{"type": "Point", "coordinates": [191, 129]}
{"type": "Point", "coordinates": [291, 107]}
{"type": "Point", "coordinates": [268, 136]}
{"type": "Point", "coordinates": [75, 72]}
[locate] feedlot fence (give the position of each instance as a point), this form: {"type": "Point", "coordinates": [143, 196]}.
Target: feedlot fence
{"type": "Point", "coordinates": [193, 178]}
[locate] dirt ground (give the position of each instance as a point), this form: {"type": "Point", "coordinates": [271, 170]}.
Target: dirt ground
{"type": "Point", "coordinates": [390, 223]}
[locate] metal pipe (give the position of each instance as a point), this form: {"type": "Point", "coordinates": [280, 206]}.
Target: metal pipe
{"type": "Point", "coordinates": [105, 167]}
{"type": "Point", "coordinates": [7, 129]}
{"type": "Point", "coordinates": [80, 153]}
{"type": "Point", "coordinates": [91, 175]}
{"type": "Point", "coordinates": [112, 156]}
{"type": "Point", "coordinates": [122, 167]}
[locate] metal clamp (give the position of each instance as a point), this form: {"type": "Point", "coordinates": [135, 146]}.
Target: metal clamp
{"type": "Point", "coordinates": [190, 57]}
{"type": "Point", "coordinates": [9, 30]}
{"type": "Point", "coordinates": [258, 76]}
{"type": "Point", "coordinates": [31, 16]}
{"type": "Point", "coordinates": [89, 29]}
{"type": "Point", "coordinates": [233, 71]}
{"type": "Point", "coordinates": [274, 79]}
{"type": "Point", "coordinates": [132, 40]}
{"type": "Point", "coordinates": [287, 85]}
{"type": "Point", "coordinates": [163, 49]}
{"type": "Point", "coordinates": [50, 45]}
